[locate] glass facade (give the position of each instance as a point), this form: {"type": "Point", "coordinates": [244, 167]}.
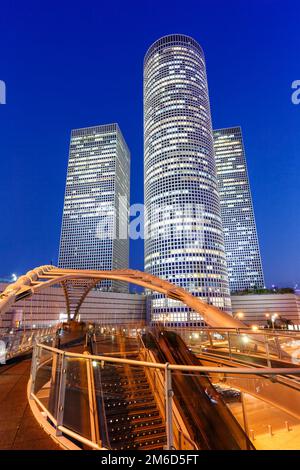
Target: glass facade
{"type": "Point", "coordinates": [183, 230]}
{"type": "Point", "coordinates": [95, 214]}
{"type": "Point", "coordinates": [241, 242]}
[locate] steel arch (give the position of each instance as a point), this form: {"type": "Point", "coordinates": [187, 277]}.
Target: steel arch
{"type": "Point", "coordinates": [48, 275]}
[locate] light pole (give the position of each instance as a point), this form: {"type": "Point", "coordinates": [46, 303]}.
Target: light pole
{"type": "Point", "coordinates": [239, 315]}
{"type": "Point", "coordinates": [273, 318]}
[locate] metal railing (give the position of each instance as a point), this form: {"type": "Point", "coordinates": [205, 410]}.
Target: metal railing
{"type": "Point", "coordinates": [266, 346]}
{"type": "Point", "coordinates": [161, 385]}
{"type": "Point", "coordinates": [63, 390]}
{"type": "Point", "coordinates": [21, 342]}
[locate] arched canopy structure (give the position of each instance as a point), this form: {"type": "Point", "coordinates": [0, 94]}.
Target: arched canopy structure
{"type": "Point", "coordinates": [78, 283]}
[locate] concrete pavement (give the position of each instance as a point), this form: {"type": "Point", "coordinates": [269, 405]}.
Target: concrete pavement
{"type": "Point", "coordinates": [19, 429]}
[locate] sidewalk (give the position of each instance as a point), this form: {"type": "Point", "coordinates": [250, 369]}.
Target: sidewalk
{"type": "Point", "coordinates": [18, 427]}
{"type": "Point", "coordinates": [261, 415]}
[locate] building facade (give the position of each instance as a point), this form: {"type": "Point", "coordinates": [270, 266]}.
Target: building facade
{"type": "Point", "coordinates": [183, 230]}
{"type": "Point", "coordinates": [94, 232]}
{"type": "Point", "coordinates": [240, 235]}
{"type": "Point", "coordinates": [258, 309]}
{"type": "Point", "coordinates": [48, 307]}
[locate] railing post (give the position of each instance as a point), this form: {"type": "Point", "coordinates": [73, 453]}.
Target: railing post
{"type": "Point", "coordinates": [180, 439]}
{"type": "Point", "coordinates": [287, 426]}
{"type": "Point", "coordinates": [95, 434]}
{"type": "Point", "coordinates": [210, 339]}
{"type": "Point", "coordinates": [61, 394]}
{"type": "Point", "coordinates": [154, 379]}
{"type": "Point", "coordinates": [269, 362]}
{"type": "Point", "coordinates": [168, 400]}
{"type": "Point", "coordinates": [229, 345]}
{"type": "Point", "coordinates": [246, 427]}
{"type": "Point", "coordinates": [278, 347]}
{"type": "Point", "coordinates": [270, 429]}
{"type": "Point", "coordinates": [22, 341]}
{"type": "Point", "coordinates": [34, 365]}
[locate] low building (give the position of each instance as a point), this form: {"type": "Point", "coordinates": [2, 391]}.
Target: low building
{"type": "Point", "coordinates": [257, 309]}
{"type": "Point", "coordinates": [48, 307]}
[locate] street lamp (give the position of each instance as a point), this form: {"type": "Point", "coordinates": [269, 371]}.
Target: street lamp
{"type": "Point", "coordinates": [273, 318]}
{"type": "Point", "coordinates": [239, 315]}
{"type": "Point", "coordinates": [245, 339]}
{"type": "Point", "coordinates": [267, 315]}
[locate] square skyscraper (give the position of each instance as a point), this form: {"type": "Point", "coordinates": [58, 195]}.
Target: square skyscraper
{"type": "Point", "coordinates": [240, 235]}
{"type": "Point", "coordinates": [95, 215]}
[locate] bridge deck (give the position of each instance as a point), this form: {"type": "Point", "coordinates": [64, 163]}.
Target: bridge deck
{"type": "Point", "coordinates": [19, 429]}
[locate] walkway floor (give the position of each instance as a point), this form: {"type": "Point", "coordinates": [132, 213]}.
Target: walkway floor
{"type": "Point", "coordinates": [18, 427]}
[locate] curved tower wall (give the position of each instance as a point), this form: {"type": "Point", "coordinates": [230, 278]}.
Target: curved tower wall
{"type": "Point", "coordinates": [183, 230]}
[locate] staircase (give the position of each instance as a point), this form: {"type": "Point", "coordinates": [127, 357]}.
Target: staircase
{"type": "Point", "coordinates": [132, 416]}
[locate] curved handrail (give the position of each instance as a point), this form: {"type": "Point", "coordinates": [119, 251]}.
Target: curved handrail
{"type": "Point", "coordinates": [133, 362]}
{"type": "Point", "coordinates": [158, 366]}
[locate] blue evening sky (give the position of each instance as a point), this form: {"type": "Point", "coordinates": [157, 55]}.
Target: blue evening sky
{"type": "Point", "coordinates": [73, 64]}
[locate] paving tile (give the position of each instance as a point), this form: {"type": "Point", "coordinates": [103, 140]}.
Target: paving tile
{"type": "Point", "coordinates": [11, 410]}
{"type": "Point", "coordinates": [8, 380]}
{"type": "Point", "coordinates": [7, 437]}
{"type": "Point", "coordinates": [9, 424]}
{"type": "Point", "coordinates": [38, 444]}
{"type": "Point", "coordinates": [30, 433]}
{"type": "Point", "coordinates": [18, 427]}
{"type": "Point", "coordinates": [4, 391]}
{"type": "Point", "coordinates": [28, 420]}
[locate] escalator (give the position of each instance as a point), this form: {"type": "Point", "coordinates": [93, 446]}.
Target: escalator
{"type": "Point", "coordinates": [210, 423]}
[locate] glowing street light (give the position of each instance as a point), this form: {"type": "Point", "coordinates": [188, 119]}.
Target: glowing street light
{"type": "Point", "coordinates": [267, 315]}
{"type": "Point", "coordinates": [245, 339]}
{"type": "Point", "coordinates": [239, 315]}
{"type": "Point", "coordinates": [273, 318]}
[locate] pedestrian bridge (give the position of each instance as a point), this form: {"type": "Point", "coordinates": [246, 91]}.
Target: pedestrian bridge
{"type": "Point", "coordinates": [77, 284]}
{"type": "Point", "coordinates": [139, 395]}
